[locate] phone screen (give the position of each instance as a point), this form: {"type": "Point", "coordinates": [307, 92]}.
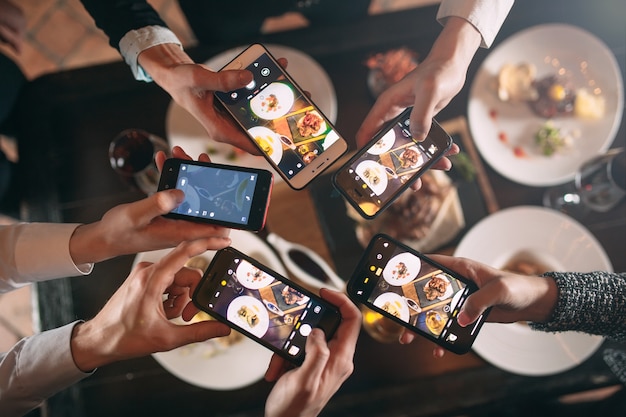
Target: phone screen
{"type": "Point", "coordinates": [280, 118]}
{"type": "Point", "coordinates": [376, 175]}
{"type": "Point", "coordinates": [214, 193]}
{"type": "Point", "coordinates": [408, 287]}
{"type": "Point", "coordinates": [263, 305]}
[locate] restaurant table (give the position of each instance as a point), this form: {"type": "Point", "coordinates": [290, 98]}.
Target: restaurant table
{"type": "Point", "coordinates": [68, 120]}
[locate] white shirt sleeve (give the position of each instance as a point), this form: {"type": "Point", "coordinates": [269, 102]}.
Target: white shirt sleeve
{"type": "Point", "coordinates": [36, 368]}
{"type": "Point", "coordinates": [31, 252]}
{"type": "Point", "coordinates": [487, 16]}
{"type": "Point", "coordinates": [137, 41]}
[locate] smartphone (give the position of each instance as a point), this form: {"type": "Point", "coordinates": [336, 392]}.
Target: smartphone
{"type": "Point", "coordinates": [230, 196]}
{"type": "Point", "coordinates": [409, 288]}
{"type": "Point", "coordinates": [290, 130]}
{"type": "Point", "coordinates": [262, 304]}
{"type": "Point", "coordinates": [378, 173]}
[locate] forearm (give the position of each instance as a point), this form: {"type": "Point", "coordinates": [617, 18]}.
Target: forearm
{"type": "Point", "coordinates": [118, 17]}
{"type": "Point", "coordinates": [158, 61]}
{"type": "Point", "coordinates": [456, 44]}
{"type": "Point", "coordinates": [592, 302]}
{"type": "Point", "coordinates": [487, 16]}
{"type": "Point", "coordinates": [36, 368]}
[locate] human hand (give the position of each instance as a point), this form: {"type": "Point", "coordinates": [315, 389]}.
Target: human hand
{"type": "Point", "coordinates": [304, 391]}
{"type": "Point", "coordinates": [140, 226]}
{"type": "Point", "coordinates": [512, 297]}
{"type": "Point", "coordinates": [136, 321]}
{"type": "Point", "coordinates": [12, 25]}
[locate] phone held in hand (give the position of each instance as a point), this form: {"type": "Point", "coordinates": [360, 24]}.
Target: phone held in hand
{"type": "Point", "coordinates": [225, 195]}
{"type": "Point", "coordinates": [262, 304]}
{"type": "Point", "coordinates": [414, 291]}
{"type": "Point", "coordinates": [289, 129]}
{"type": "Point", "coordinates": [378, 173]}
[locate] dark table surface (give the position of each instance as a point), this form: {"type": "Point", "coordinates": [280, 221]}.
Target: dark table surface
{"type": "Point", "coordinates": [68, 120]}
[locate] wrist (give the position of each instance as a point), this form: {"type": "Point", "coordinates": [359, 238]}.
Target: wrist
{"type": "Point", "coordinates": [159, 60]}
{"type": "Point", "coordinates": [89, 347]}
{"type": "Point", "coordinates": [548, 293]}
{"type": "Point", "coordinates": [89, 245]}
{"type": "Point", "coordinates": [457, 43]}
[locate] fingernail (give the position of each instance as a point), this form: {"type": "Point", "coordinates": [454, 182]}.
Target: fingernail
{"type": "Point", "coordinates": [462, 319]}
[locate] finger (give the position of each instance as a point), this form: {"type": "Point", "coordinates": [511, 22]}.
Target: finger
{"type": "Point", "coordinates": [167, 267]}
{"type": "Point", "coordinates": [317, 356]}
{"type": "Point", "coordinates": [439, 352]}
{"type": "Point", "coordinates": [156, 205]}
{"type": "Point", "coordinates": [12, 38]}
{"type": "Point", "coordinates": [227, 80]}
{"type": "Point", "coordinates": [348, 331]}
{"type": "Point", "coordinates": [189, 311]}
{"type": "Point", "coordinates": [183, 334]}
{"type": "Point", "coordinates": [421, 117]}
{"type": "Point", "coordinates": [178, 152]}
{"type": "Point", "coordinates": [406, 337]}
{"type": "Point", "coordinates": [159, 160]}
{"type": "Point", "coordinates": [276, 368]}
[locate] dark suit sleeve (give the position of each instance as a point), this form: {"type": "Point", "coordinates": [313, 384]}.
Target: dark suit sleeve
{"type": "Point", "coordinates": [118, 17]}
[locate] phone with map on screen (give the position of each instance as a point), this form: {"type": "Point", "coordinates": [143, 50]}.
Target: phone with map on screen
{"type": "Point", "coordinates": [225, 195]}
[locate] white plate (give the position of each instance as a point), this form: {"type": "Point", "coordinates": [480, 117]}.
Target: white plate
{"type": "Point", "coordinates": [572, 47]}
{"type": "Point", "coordinates": [397, 300]}
{"type": "Point", "coordinates": [412, 264]}
{"type": "Point", "coordinates": [251, 277]}
{"type": "Point", "coordinates": [562, 244]}
{"type": "Point", "coordinates": [283, 95]}
{"type": "Point", "coordinates": [273, 140]}
{"type": "Point", "coordinates": [237, 366]}
{"type": "Point", "coordinates": [253, 306]}
{"type": "Point", "coordinates": [372, 169]}
{"type": "Point", "coordinates": [185, 131]}
{"type": "Point", "coordinates": [383, 144]}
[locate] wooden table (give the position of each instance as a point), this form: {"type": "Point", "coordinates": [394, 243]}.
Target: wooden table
{"type": "Point", "coordinates": [68, 120]}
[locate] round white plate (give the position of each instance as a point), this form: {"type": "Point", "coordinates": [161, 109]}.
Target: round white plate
{"type": "Point", "coordinates": [413, 266]}
{"type": "Point", "coordinates": [562, 244]}
{"type": "Point", "coordinates": [251, 277]}
{"type": "Point", "coordinates": [397, 300]}
{"type": "Point", "coordinates": [237, 366]}
{"type": "Point", "coordinates": [253, 306]}
{"type": "Point", "coordinates": [273, 140]}
{"type": "Point", "coordinates": [282, 93]}
{"type": "Point", "coordinates": [544, 46]}
{"type": "Point", "coordinates": [373, 168]}
{"type": "Point", "coordinates": [383, 144]}
{"type": "Point", "coordinates": [185, 131]}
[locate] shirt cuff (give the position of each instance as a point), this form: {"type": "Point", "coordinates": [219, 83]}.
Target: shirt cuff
{"type": "Point", "coordinates": [43, 252]}
{"type": "Point", "coordinates": [487, 16]}
{"type": "Point", "coordinates": [39, 367]}
{"type": "Point", "coordinates": [137, 41]}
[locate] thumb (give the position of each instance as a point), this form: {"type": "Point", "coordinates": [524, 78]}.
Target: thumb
{"type": "Point", "coordinates": [474, 306]}
{"type": "Point", "coordinates": [317, 355]}
{"type": "Point", "coordinates": [157, 204]}
{"type": "Point", "coordinates": [223, 80]}
{"type": "Point", "coordinates": [199, 332]}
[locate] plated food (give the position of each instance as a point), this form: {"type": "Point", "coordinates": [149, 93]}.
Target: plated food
{"type": "Point", "coordinates": [394, 304]}
{"type": "Point", "coordinates": [543, 101]}
{"type": "Point", "coordinates": [311, 124]}
{"type": "Point", "coordinates": [273, 101]}
{"type": "Point", "coordinates": [402, 269]}
{"type": "Point", "coordinates": [437, 287]}
{"type": "Point", "coordinates": [425, 219]}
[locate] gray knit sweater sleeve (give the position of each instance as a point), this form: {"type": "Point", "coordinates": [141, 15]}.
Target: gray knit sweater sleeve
{"type": "Point", "coordinates": [593, 302]}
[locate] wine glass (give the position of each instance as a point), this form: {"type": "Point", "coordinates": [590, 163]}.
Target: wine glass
{"type": "Point", "coordinates": [131, 154]}
{"type": "Point", "coordinates": [599, 185]}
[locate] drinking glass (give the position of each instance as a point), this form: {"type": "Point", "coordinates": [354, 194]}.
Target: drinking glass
{"type": "Point", "coordinates": [599, 185]}
{"type": "Point", "coordinates": [380, 327]}
{"type": "Point", "coordinates": [131, 154]}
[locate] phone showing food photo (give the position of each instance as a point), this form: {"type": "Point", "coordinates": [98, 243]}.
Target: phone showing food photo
{"type": "Point", "coordinates": [409, 288]}
{"type": "Point", "coordinates": [226, 195]}
{"type": "Point", "coordinates": [378, 173]}
{"type": "Point", "coordinates": [263, 305]}
{"type": "Point", "coordinates": [290, 130]}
